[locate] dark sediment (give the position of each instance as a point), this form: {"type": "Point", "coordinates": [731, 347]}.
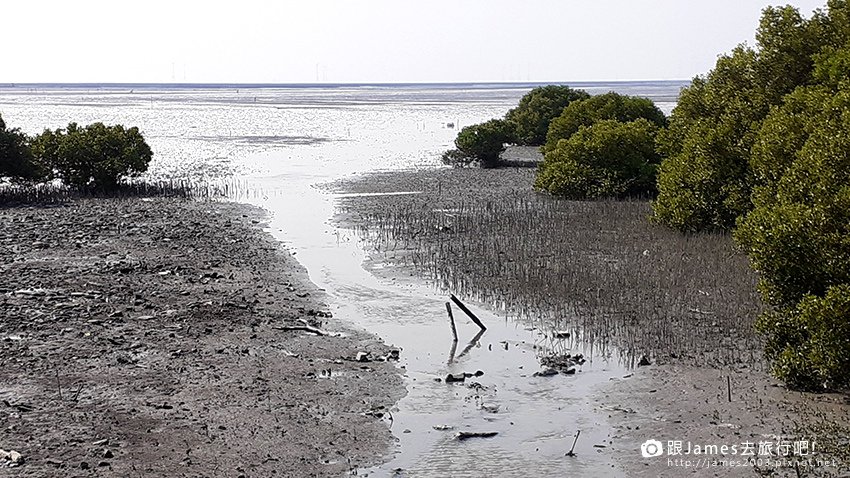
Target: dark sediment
{"type": "Point", "coordinates": [143, 337]}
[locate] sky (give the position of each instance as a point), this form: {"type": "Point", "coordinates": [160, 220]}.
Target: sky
{"type": "Point", "coordinates": [371, 41]}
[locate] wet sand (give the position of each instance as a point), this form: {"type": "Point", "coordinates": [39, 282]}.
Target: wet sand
{"type": "Point", "coordinates": [148, 337]}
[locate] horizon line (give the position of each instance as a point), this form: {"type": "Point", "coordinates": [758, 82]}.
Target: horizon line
{"type": "Point", "coordinates": [329, 84]}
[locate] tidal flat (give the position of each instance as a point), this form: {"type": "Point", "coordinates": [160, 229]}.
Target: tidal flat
{"type": "Point", "coordinates": [601, 273]}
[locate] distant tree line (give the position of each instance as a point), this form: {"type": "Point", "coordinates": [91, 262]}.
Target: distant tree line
{"type": "Point", "coordinates": [594, 146]}
{"type": "Point", "coordinates": [94, 157]}
{"type": "Point", "coordinates": [759, 146]}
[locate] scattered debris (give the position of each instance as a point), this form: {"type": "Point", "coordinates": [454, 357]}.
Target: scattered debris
{"type": "Point", "coordinates": [565, 364]}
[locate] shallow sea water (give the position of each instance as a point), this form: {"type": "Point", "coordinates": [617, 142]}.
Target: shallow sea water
{"type": "Point", "coordinates": [280, 143]}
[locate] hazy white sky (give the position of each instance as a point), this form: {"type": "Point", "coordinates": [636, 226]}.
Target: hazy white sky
{"type": "Point", "coordinates": [370, 40]}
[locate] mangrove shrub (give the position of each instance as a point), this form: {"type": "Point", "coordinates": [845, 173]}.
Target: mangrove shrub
{"type": "Point", "coordinates": [531, 118]}
{"type": "Point", "coordinates": [705, 182]}
{"type": "Point", "coordinates": [610, 106]}
{"type": "Point", "coordinates": [16, 159]}
{"type": "Point", "coordinates": [95, 156]}
{"type": "Point", "coordinates": [482, 143]}
{"type": "Point", "coordinates": [606, 159]}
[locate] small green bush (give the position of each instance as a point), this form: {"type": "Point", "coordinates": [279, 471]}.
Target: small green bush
{"type": "Point", "coordinates": [483, 142]}
{"type": "Point", "coordinates": [96, 156]}
{"type": "Point", "coordinates": [607, 159]}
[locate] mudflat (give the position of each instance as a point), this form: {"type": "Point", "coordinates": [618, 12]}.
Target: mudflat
{"type": "Point", "coordinates": [677, 310]}
{"type": "Point", "coordinates": [165, 337]}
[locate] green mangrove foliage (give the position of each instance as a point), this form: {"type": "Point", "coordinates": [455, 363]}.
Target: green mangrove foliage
{"type": "Point", "coordinates": [705, 180]}
{"type": "Point", "coordinates": [761, 145]}
{"type": "Point", "coordinates": [536, 110]}
{"type": "Point", "coordinates": [92, 157]}
{"type": "Point", "coordinates": [95, 156]}
{"type": "Point", "coordinates": [605, 159]}
{"type": "Point", "coordinates": [610, 106]}
{"type": "Point", "coordinates": [16, 159]}
{"type": "Point", "coordinates": [798, 235]}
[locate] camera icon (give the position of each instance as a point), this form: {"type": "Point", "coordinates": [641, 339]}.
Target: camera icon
{"type": "Point", "coordinates": [651, 448]}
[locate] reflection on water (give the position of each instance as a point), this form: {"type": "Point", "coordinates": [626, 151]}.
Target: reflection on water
{"type": "Point", "coordinates": [282, 142]}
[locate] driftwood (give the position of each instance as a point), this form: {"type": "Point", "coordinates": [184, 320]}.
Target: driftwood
{"type": "Point", "coordinates": [466, 435]}
{"type": "Point", "coordinates": [467, 312]}
{"type": "Point", "coordinates": [304, 328]}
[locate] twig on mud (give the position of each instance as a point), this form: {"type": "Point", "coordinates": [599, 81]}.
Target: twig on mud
{"type": "Point", "coordinates": [77, 393]}
{"type": "Point", "coordinates": [572, 450]}
{"type": "Point", "coordinates": [729, 388]}
{"type": "Point", "coordinates": [58, 382]}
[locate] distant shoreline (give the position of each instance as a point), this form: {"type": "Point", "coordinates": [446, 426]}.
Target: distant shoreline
{"type": "Point", "coordinates": [195, 86]}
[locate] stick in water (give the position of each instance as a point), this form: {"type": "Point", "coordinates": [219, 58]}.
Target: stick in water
{"type": "Point", "coordinates": [451, 319]}
{"type": "Point", "coordinates": [467, 312]}
{"type": "Point", "coordinates": [572, 450]}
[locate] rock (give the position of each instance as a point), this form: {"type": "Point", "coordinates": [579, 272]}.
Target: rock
{"type": "Point", "coordinates": [101, 442]}
{"type": "Point", "coordinates": [455, 377]}
{"type": "Point", "coordinates": [14, 458]}
{"type": "Point", "coordinates": [569, 371]}
{"type": "Point", "coordinates": [561, 334]}
{"type": "Point", "coordinates": [107, 453]}
{"type": "Point", "coordinates": [546, 372]}
{"type": "Point", "coordinates": [644, 361]}
{"type": "Point", "coordinates": [443, 427]}
{"type": "Point", "coordinates": [362, 357]}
